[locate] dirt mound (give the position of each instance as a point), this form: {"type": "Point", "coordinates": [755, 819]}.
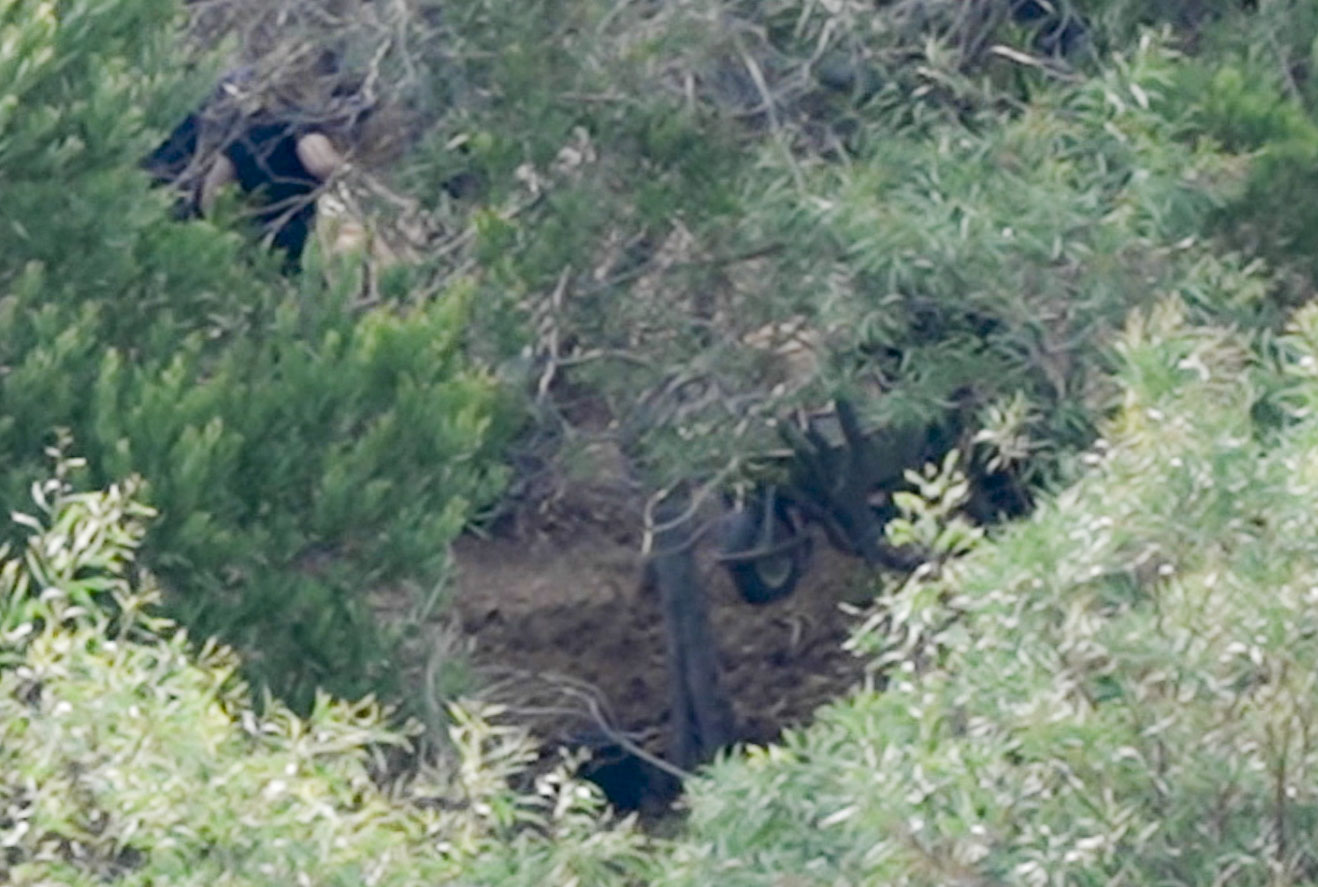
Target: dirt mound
{"type": "Point", "coordinates": [568, 634]}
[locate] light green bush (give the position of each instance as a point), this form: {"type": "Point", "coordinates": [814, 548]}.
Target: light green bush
{"type": "Point", "coordinates": [1119, 691]}
{"type": "Point", "coordinates": [127, 756]}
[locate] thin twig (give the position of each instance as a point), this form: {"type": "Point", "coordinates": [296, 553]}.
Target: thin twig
{"type": "Point", "coordinates": [592, 698]}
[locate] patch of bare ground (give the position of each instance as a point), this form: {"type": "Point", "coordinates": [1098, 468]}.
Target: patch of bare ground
{"type": "Point", "coordinates": [567, 634]}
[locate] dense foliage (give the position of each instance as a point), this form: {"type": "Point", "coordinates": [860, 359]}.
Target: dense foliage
{"type": "Point", "coordinates": [1118, 691]}
{"type": "Point", "coordinates": [129, 757]}
{"type": "Point", "coordinates": [1098, 253]}
{"type": "Point", "coordinates": [678, 195]}
{"type": "Point", "coordinates": [299, 448]}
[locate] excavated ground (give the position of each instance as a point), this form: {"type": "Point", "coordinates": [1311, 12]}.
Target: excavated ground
{"type": "Point", "coordinates": [567, 633]}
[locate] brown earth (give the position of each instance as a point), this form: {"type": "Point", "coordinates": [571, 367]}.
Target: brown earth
{"type": "Point", "coordinates": [568, 635]}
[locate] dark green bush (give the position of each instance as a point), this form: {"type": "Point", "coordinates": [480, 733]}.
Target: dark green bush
{"type": "Point", "coordinates": [302, 452]}
{"type": "Point", "coordinates": [1249, 89]}
{"type": "Point", "coordinates": [936, 241]}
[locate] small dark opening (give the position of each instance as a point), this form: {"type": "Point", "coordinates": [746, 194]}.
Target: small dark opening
{"type": "Point", "coordinates": [630, 784]}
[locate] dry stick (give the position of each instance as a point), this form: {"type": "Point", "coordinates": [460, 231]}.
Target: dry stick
{"type": "Point", "coordinates": [551, 351]}
{"type": "Point", "coordinates": [654, 527]}
{"type": "Point", "coordinates": [562, 683]}
{"type": "Point", "coordinates": [1033, 61]}
{"type": "Point", "coordinates": [595, 710]}
{"type": "Point", "coordinates": [563, 686]}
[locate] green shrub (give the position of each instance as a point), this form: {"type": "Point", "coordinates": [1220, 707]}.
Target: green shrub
{"type": "Point", "coordinates": [1249, 89]}
{"type": "Point", "coordinates": [301, 451]}
{"type": "Point", "coordinates": [1119, 690]}
{"type": "Point", "coordinates": [938, 240]}
{"type": "Point", "coordinates": [129, 757]}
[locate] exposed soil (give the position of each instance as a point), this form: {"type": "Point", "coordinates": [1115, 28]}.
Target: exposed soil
{"type": "Point", "coordinates": [569, 635]}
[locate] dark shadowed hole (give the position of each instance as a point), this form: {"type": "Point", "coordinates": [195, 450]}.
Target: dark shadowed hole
{"type": "Point", "coordinates": [629, 783]}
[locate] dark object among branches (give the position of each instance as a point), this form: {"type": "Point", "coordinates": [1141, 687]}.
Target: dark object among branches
{"type": "Point", "coordinates": [278, 159]}
{"type": "Point", "coordinates": [1059, 30]}
{"type": "Point", "coordinates": [842, 477]}
{"type": "Point", "coordinates": [701, 718]}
